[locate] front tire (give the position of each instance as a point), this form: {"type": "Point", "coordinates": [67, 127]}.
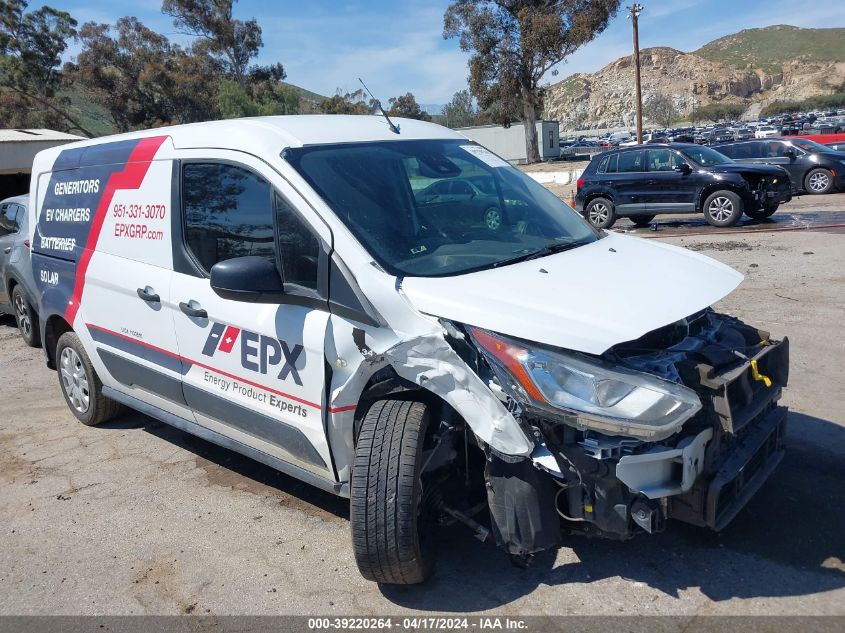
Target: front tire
{"type": "Point", "coordinates": [80, 385]}
{"type": "Point", "coordinates": [818, 181]}
{"type": "Point", "coordinates": [392, 530]}
{"type": "Point", "coordinates": [26, 318]}
{"type": "Point", "coordinates": [600, 213]}
{"type": "Point", "coordinates": [723, 208]}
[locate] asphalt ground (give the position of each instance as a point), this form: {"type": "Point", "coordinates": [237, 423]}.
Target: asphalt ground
{"type": "Point", "coordinates": [135, 517]}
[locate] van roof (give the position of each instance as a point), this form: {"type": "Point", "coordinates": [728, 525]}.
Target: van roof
{"type": "Point", "coordinates": [257, 134]}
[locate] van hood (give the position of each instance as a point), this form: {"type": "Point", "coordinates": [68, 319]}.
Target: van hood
{"type": "Point", "coordinates": [587, 299]}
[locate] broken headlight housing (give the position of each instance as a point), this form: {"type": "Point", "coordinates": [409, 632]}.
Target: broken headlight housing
{"type": "Point", "coordinates": [587, 393]}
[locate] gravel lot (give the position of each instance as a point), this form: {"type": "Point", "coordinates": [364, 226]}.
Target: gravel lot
{"type": "Point", "coordinates": [135, 517]}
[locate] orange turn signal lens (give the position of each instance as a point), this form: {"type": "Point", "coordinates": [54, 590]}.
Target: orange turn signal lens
{"type": "Point", "coordinates": [509, 355]}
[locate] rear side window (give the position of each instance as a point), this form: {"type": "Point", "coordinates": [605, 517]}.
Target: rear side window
{"type": "Point", "coordinates": [8, 219]}
{"type": "Point", "coordinates": [228, 213]}
{"type": "Point", "coordinates": [612, 162]}
{"type": "Point", "coordinates": [603, 165]}
{"type": "Point", "coordinates": [631, 162]}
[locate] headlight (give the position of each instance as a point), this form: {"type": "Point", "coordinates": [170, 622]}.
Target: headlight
{"type": "Point", "coordinates": [612, 400]}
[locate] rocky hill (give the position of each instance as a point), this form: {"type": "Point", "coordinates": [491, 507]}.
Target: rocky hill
{"type": "Point", "coordinates": [752, 67]}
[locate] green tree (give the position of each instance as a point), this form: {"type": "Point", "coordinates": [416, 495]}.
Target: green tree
{"type": "Point", "coordinates": [460, 111]}
{"type": "Point", "coordinates": [717, 112]}
{"type": "Point", "coordinates": [141, 78]}
{"type": "Point", "coordinates": [31, 47]}
{"type": "Point", "coordinates": [348, 103]}
{"type": "Point", "coordinates": [514, 43]}
{"type": "Point", "coordinates": [661, 109]}
{"type": "Point", "coordinates": [234, 42]}
{"type": "Point", "coordinates": [406, 106]}
{"type": "Point", "coordinates": [263, 95]}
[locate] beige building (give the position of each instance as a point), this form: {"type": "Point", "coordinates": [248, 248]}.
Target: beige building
{"type": "Point", "coordinates": [17, 149]}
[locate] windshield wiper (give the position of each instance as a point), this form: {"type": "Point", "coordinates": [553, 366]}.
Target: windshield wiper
{"type": "Point", "coordinates": [549, 249]}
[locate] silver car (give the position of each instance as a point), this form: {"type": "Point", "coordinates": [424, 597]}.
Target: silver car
{"type": "Point", "coordinates": [17, 294]}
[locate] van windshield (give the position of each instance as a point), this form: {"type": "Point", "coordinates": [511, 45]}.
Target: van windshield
{"type": "Point", "coordinates": [438, 207]}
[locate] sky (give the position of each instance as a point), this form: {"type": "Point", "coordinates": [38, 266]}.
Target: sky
{"type": "Point", "coordinates": [398, 46]}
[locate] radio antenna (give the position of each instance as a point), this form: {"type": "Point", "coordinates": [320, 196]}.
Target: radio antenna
{"type": "Point", "coordinates": [393, 127]}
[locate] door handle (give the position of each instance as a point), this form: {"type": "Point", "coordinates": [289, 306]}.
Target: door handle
{"type": "Point", "coordinates": [148, 294]}
{"type": "Point", "coordinates": [7, 250]}
{"type": "Point", "coordinates": [197, 313]}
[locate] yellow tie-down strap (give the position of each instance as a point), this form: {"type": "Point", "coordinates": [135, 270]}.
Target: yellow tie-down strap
{"type": "Point", "coordinates": [756, 375]}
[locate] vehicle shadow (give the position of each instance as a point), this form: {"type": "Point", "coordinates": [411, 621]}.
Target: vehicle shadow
{"type": "Point", "coordinates": [788, 541]}
{"type": "Point", "coordinates": [230, 469]}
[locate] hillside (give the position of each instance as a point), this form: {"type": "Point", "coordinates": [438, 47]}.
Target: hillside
{"type": "Point", "coordinates": [752, 68]}
{"type": "Point", "coordinates": [770, 48]}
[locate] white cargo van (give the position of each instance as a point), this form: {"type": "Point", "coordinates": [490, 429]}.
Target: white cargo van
{"type": "Point", "coordinates": [402, 318]}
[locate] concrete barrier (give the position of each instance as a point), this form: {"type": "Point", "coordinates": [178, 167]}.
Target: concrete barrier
{"type": "Point", "coordinates": [556, 177]}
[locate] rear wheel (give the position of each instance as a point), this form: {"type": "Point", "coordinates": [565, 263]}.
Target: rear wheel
{"type": "Point", "coordinates": [26, 318]}
{"type": "Point", "coordinates": [723, 208]}
{"type": "Point", "coordinates": [641, 220]}
{"type": "Point", "coordinates": [81, 387]}
{"type": "Point", "coordinates": [392, 526]}
{"type": "Point", "coordinates": [818, 181]}
{"type": "Point", "coordinates": [600, 213]}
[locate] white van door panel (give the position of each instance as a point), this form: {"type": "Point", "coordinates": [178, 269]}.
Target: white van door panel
{"type": "Point", "coordinates": [253, 372]}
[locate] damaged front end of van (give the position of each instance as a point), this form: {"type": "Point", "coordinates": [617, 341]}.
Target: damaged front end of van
{"type": "Point", "coordinates": [682, 423]}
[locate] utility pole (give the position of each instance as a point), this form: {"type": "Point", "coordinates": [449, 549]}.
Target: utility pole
{"type": "Point", "coordinates": [634, 13]}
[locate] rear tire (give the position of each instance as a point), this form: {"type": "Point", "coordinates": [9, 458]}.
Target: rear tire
{"type": "Point", "coordinates": [641, 221]}
{"type": "Point", "coordinates": [818, 181]}
{"type": "Point", "coordinates": [26, 318]}
{"type": "Point", "coordinates": [392, 532]}
{"type": "Point", "coordinates": [600, 213]}
{"type": "Point", "coordinates": [80, 385]}
{"type": "Point", "coordinates": [723, 208]}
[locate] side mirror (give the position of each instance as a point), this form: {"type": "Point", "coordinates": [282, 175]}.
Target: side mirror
{"type": "Point", "coordinates": [790, 153]}
{"type": "Point", "coordinates": [683, 168]}
{"type": "Point", "coordinates": [250, 279]}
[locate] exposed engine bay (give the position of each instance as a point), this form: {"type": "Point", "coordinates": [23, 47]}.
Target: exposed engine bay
{"type": "Point", "coordinates": [682, 423]}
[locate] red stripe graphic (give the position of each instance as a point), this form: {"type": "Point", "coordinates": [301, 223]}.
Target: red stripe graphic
{"type": "Point", "coordinates": [351, 407]}
{"type": "Point", "coordinates": [227, 341]}
{"type": "Point", "coordinates": [130, 177]}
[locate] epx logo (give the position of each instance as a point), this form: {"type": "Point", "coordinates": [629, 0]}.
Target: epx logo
{"type": "Point", "coordinates": [258, 352]}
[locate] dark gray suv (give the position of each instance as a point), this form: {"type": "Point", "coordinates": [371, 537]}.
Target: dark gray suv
{"type": "Point", "coordinates": [17, 290]}
{"type": "Point", "coordinates": [812, 167]}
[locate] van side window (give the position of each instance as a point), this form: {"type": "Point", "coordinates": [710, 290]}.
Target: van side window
{"type": "Point", "coordinates": [228, 213]}
{"type": "Point", "coordinates": [299, 248]}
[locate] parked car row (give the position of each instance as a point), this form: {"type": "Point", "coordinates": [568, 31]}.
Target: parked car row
{"type": "Point", "coordinates": [644, 181]}
{"type": "Point", "coordinates": [17, 290]}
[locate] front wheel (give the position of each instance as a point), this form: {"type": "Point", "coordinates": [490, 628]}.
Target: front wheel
{"type": "Point", "coordinates": [723, 208]}
{"type": "Point", "coordinates": [392, 526]}
{"type": "Point", "coordinates": [818, 181]}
